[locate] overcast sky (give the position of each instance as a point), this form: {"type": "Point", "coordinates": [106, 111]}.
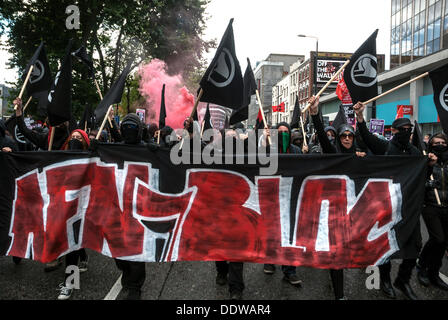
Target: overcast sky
{"type": "Point", "coordinates": [262, 27]}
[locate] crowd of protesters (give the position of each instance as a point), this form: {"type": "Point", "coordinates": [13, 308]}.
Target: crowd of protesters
{"type": "Point", "coordinates": [329, 140]}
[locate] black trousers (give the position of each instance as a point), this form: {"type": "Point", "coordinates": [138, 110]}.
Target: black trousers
{"type": "Point", "coordinates": [436, 221]}
{"type": "Point", "coordinates": [404, 272]}
{"type": "Point", "coordinates": [134, 274]}
{"type": "Point", "coordinates": [337, 279]}
{"type": "Point", "coordinates": [235, 272]}
{"type": "Point", "coordinates": [73, 258]}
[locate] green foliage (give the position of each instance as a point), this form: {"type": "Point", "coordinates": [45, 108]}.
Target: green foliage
{"type": "Point", "coordinates": [112, 31]}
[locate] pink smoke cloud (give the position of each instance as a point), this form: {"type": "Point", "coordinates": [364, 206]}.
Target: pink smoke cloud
{"type": "Point", "coordinates": [179, 101]}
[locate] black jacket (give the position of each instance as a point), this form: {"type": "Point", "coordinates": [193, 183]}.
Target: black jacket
{"type": "Point", "coordinates": [382, 147]}
{"type": "Point", "coordinates": [440, 174]}
{"type": "Point", "coordinates": [325, 143]}
{"type": "Point", "coordinates": [41, 140]}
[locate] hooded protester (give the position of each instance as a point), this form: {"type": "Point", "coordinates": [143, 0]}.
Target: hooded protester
{"type": "Point", "coordinates": [39, 139]}
{"type": "Point", "coordinates": [284, 143]}
{"type": "Point", "coordinates": [7, 144]}
{"type": "Point", "coordinates": [399, 145]}
{"type": "Point", "coordinates": [78, 141]}
{"type": "Point", "coordinates": [131, 129]}
{"type": "Point", "coordinates": [331, 133]}
{"type": "Point", "coordinates": [343, 142]}
{"type": "Point", "coordinates": [134, 273]}
{"type": "Point", "coordinates": [165, 137]}
{"type": "Point", "coordinates": [297, 138]}
{"type": "Point", "coordinates": [435, 215]}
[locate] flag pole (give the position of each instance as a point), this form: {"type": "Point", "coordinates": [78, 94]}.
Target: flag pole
{"type": "Point", "coordinates": [262, 113]}
{"type": "Point", "coordinates": [24, 84]}
{"type": "Point", "coordinates": [104, 123]}
{"type": "Point", "coordinates": [50, 147]}
{"type": "Point", "coordinates": [26, 105]}
{"type": "Point", "coordinates": [158, 137]}
{"type": "Point", "coordinates": [303, 132]}
{"type": "Point", "coordinates": [328, 84]}
{"type": "Point", "coordinates": [101, 96]}
{"type": "Point", "coordinates": [397, 87]}
{"type": "Point", "coordinates": [202, 128]}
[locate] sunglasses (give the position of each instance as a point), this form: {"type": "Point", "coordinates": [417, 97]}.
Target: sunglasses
{"type": "Point", "coordinates": [344, 135]}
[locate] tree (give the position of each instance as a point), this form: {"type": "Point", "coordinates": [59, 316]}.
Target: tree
{"type": "Point", "coordinates": [113, 31]}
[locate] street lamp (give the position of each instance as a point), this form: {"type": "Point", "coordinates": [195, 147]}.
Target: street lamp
{"type": "Point", "coordinates": [315, 59]}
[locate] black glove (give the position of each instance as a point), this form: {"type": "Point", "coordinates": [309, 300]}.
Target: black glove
{"type": "Point", "coordinates": [153, 146]}
{"type": "Point", "coordinates": [433, 184]}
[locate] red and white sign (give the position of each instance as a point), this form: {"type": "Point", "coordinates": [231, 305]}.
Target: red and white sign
{"type": "Point", "coordinates": [407, 110]}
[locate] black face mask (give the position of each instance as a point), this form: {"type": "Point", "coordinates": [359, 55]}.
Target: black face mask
{"type": "Point", "coordinates": [75, 144]}
{"type": "Point", "coordinates": [130, 136]}
{"type": "Point", "coordinates": [403, 136]}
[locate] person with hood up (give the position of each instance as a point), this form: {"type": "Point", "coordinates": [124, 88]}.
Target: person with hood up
{"type": "Point", "coordinates": [78, 141]}
{"type": "Point", "coordinates": [343, 142]}
{"type": "Point", "coordinates": [435, 215]}
{"type": "Point", "coordinates": [284, 144]}
{"type": "Point", "coordinates": [134, 273]}
{"type": "Point", "coordinates": [399, 145]}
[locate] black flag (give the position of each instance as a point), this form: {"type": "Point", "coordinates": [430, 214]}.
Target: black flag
{"type": "Point", "coordinates": [250, 87]}
{"type": "Point", "coordinates": [361, 74]}
{"type": "Point", "coordinates": [439, 79]}
{"type": "Point", "coordinates": [40, 81]}
{"type": "Point", "coordinates": [82, 55]}
{"type": "Point", "coordinates": [417, 138]}
{"type": "Point", "coordinates": [207, 119]}
{"type": "Point", "coordinates": [60, 98]}
{"type": "Point", "coordinates": [259, 124]}
{"type": "Point", "coordinates": [87, 119]}
{"type": "Point", "coordinates": [162, 116]}
{"type": "Point", "coordinates": [114, 94]}
{"type": "Point", "coordinates": [340, 118]}
{"type": "Point", "coordinates": [296, 115]}
{"type": "Point", "coordinates": [222, 83]}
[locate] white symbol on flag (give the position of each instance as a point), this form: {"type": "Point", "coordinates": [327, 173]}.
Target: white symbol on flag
{"type": "Point", "coordinates": [443, 97]}
{"type": "Point", "coordinates": [364, 67]}
{"type": "Point", "coordinates": [224, 69]}
{"type": "Point", "coordinates": [38, 72]}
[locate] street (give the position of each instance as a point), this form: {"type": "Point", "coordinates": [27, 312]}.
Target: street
{"type": "Point", "coordinates": [192, 281]}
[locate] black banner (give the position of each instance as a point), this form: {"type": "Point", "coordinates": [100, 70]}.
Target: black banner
{"type": "Point", "coordinates": [323, 211]}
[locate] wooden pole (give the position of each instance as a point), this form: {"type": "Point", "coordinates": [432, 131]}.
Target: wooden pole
{"type": "Point", "coordinates": [262, 114]}
{"type": "Point", "coordinates": [26, 105]}
{"type": "Point", "coordinates": [158, 137]}
{"type": "Point", "coordinates": [104, 123]}
{"type": "Point", "coordinates": [396, 88]}
{"type": "Point", "coordinates": [50, 146]}
{"type": "Point", "coordinates": [24, 84]}
{"type": "Point", "coordinates": [328, 83]}
{"type": "Point", "coordinates": [303, 132]}
{"type": "Point", "coordinates": [201, 92]}
{"type": "Point", "coordinates": [101, 96]}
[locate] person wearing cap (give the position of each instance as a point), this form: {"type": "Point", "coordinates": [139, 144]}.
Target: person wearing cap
{"type": "Point", "coordinates": [344, 143]}
{"type": "Point", "coordinates": [398, 145]}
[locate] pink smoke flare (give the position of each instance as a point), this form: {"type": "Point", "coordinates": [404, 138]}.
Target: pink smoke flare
{"type": "Point", "coordinates": [179, 101]}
